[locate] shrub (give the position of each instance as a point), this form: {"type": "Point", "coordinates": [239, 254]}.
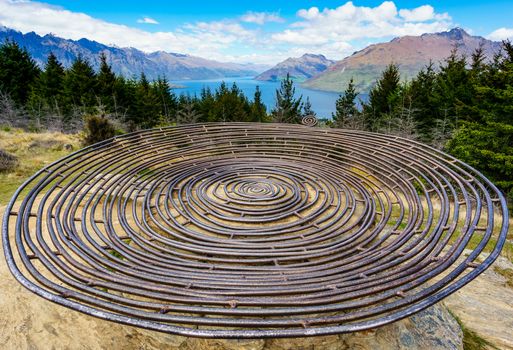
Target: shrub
{"type": "Point", "coordinates": [98, 128]}
{"type": "Point", "coordinates": [7, 161]}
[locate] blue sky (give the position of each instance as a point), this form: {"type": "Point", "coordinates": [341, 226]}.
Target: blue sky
{"type": "Point", "coordinates": [261, 31]}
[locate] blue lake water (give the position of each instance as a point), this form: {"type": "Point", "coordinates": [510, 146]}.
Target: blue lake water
{"type": "Point", "coordinates": [323, 102]}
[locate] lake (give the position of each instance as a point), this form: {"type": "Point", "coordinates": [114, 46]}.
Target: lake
{"type": "Point", "coordinates": [323, 102]}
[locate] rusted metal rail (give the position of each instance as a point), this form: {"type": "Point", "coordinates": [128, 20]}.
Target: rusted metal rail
{"type": "Point", "coordinates": [253, 230]}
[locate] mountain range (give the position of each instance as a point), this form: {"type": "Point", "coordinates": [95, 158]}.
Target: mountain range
{"type": "Point", "coordinates": [302, 68]}
{"type": "Point", "coordinates": [410, 53]}
{"type": "Point", "coordinates": [128, 62]}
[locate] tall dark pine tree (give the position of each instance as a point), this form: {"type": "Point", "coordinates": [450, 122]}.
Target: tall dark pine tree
{"type": "Point", "coordinates": [18, 71]}
{"type": "Point", "coordinates": [382, 97]}
{"type": "Point", "coordinates": [346, 110]}
{"type": "Point", "coordinates": [106, 83]}
{"type": "Point", "coordinates": [258, 112]}
{"type": "Point", "coordinates": [288, 108]}
{"type": "Point", "coordinates": [421, 90]}
{"type": "Point", "coordinates": [146, 105]}
{"type": "Point", "coordinates": [46, 99]}
{"type": "Point", "coordinates": [80, 85]}
{"type": "Point", "coordinates": [51, 80]}
{"type": "Point", "coordinates": [167, 101]}
{"type": "Point", "coordinates": [454, 90]}
{"type": "Point", "coordinates": [230, 105]}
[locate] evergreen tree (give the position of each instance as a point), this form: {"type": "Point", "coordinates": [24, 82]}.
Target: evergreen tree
{"type": "Point", "coordinates": [346, 112]}
{"type": "Point", "coordinates": [307, 109]}
{"type": "Point", "coordinates": [80, 85]}
{"type": "Point", "coordinates": [230, 105]}
{"type": "Point", "coordinates": [258, 109]}
{"type": "Point", "coordinates": [453, 90]}
{"type": "Point", "coordinates": [420, 91]}
{"type": "Point", "coordinates": [288, 108]}
{"type": "Point", "coordinates": [18, 71]}
{"type": "Point", "coordinates": [46, 101]}
{"type": "Point", "coordinates": [484, 138]}
{"type": "Point", "coordinates": [205, 106]}
{"type": "Point", "coordinates": [382, 97]}
{"type": "Point", "coordinates": [167, 102]}
{"type": "Point", "coordinates": [106, 82]}
{"type": "Point", "coordinates": [187, 111]}
{"type": "Point", "coordinates": [146, 110]}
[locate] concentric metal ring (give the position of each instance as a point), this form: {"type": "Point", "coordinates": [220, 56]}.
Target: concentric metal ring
{"type": "Point", "coordinates": [253, 230]}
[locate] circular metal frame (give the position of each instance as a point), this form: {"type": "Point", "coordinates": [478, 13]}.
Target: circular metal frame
{"type": "Point", "coordinates": [253, 230]}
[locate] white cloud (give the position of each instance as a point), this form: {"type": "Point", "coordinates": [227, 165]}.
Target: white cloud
{"type": "Point", "coordinates": [334, 32]}
{"type": "Point", "coordinates": [423, 13]}
{"type": "Point", "coordinates": [147, 20]}
{"type": "Point", "coordinates": [501, 34]}
{"type": "Point", "coordinates": [261, 17]}
{"type": "Point", "coordinates": [43, 18]}
{"type": "Point", "coordinates": [349, 22]}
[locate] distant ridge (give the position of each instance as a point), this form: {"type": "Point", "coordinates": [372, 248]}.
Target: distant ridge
{"type": "Point", "coordinates": [410, 53]}
{"type": "Point", "coordinates": [302, 68]}
{"type": "Point", "coordinates": [128, 62]}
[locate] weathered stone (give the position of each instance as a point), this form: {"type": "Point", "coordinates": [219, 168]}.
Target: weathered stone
{"type": "Point", "coordinates": [485, 306]}
{"type": "Point", "coordinates": [433, 328]}
{"type": "Point", "coordinates": [316, 343]}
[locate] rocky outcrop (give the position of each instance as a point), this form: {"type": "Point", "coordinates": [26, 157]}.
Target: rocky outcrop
{"type": "Point", "coordinates": [485, 305]}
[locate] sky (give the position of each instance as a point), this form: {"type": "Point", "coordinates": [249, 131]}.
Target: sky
{"type": "Point", "coordinates": [263, 31]}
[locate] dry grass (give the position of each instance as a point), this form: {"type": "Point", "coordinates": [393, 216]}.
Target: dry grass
{"type": "Point", "coordinates": [33, 151]}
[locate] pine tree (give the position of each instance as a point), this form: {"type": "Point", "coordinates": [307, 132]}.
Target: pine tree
{"type": "Point", "coordinates": [167, 102]}
{"type": "Point", "coordinates": [46, 101]}
{"type": "Point", "coordinates": [346, 111]}
{"type": "Point", "coordinates": [106, 81]}
{"type": "Point", "coordinates": [421, 91]}
{"type": "Point", "coordinates": [382, 97]}
{"type": "Point", "coordinates": [288, 108]}
{"type": "Point", "coordinates": [258, 112]}
{"type": "Point", "coordinates": [146, 110]}
{"type": "Point", "coordinates": [187, 112]}
{"type": "Point", "coordinates": [307, 109]}
{"type": "Point", "coordinates": [231, 105]}
{"type": "Point", "coordinates": [18, 71]}
{"type": "Point", "coordinates": [454, 91]}
{"type": "Point", "coordinates": [80, 85]}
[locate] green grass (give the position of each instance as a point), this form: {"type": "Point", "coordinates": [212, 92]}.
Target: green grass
{"type": "Point", "coordinates": [472, 340]}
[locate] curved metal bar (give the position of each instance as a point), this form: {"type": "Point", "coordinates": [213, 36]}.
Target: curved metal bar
{"type": "Point", "coordinates": [253, 230]}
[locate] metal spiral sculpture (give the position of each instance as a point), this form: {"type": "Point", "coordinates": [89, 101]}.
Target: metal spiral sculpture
{"type": "Point", "coordinates": [309, 120]}
{"type": "Point", "coordinates": [253, 230]}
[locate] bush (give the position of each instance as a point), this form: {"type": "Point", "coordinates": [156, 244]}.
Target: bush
{"type": "Point", "coordinates": [7, 161]}
{"type": "Point", "coordinates": [97, 129]}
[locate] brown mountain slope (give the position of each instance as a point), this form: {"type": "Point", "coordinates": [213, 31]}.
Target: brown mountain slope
{"type": "Point", "coordinates": [410, 53]}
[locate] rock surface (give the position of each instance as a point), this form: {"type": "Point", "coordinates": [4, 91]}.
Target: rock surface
{"type": "Point", "coordinates": [485, 306]}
